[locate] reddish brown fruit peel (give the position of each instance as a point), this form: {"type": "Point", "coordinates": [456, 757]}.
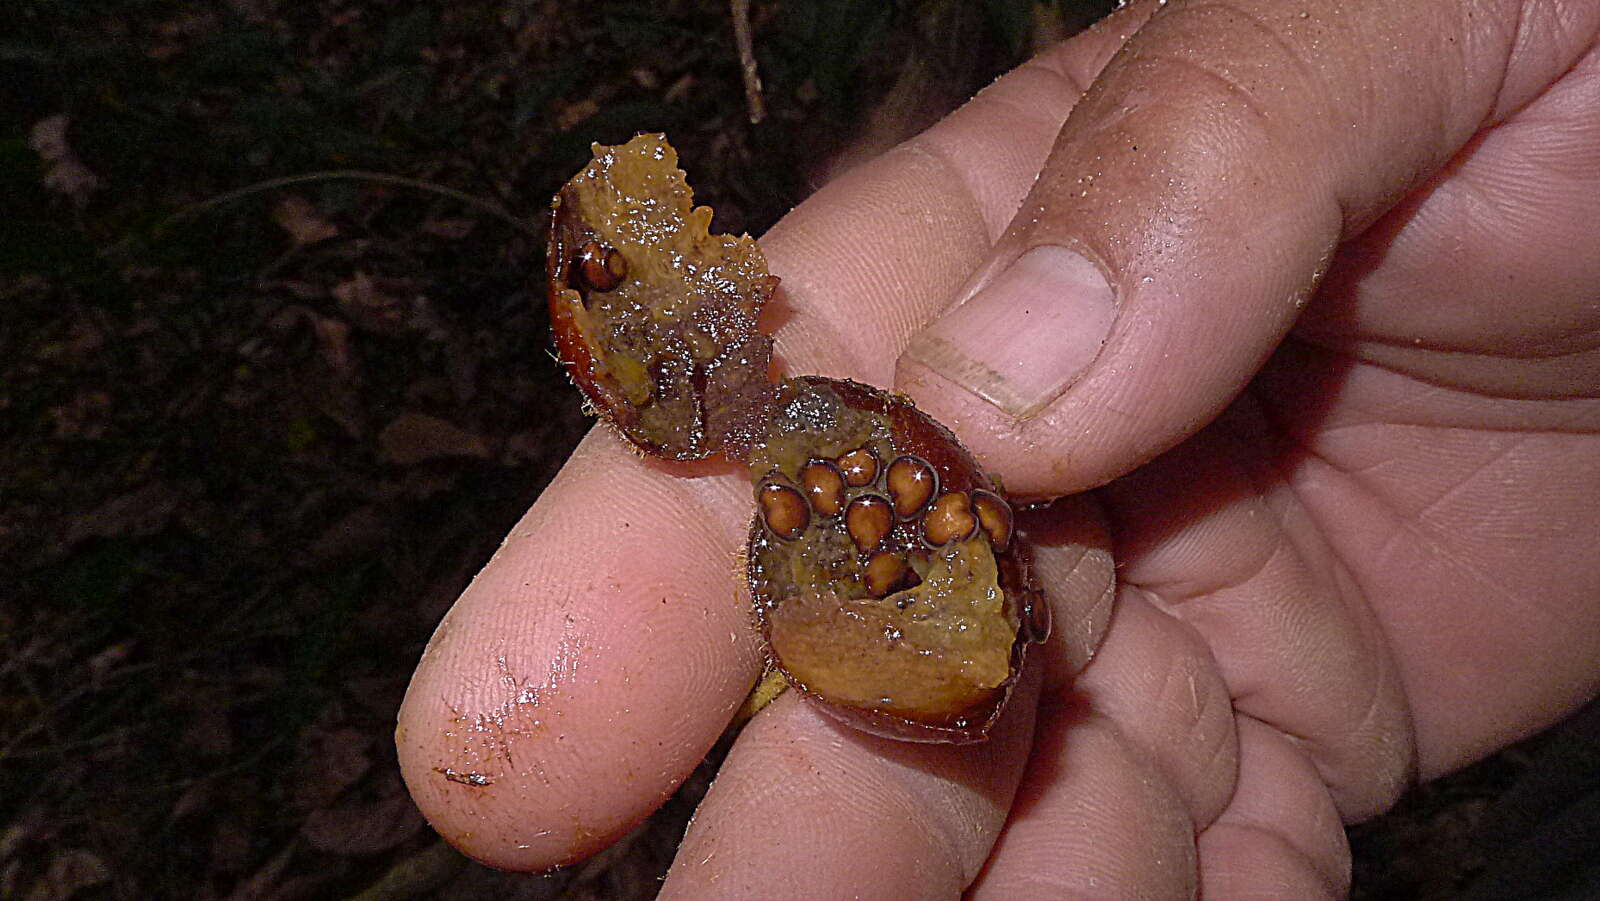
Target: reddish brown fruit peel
{"type": "Point", "coordinates": [655, 318]}
{"type": "Point", "coordinates": [888, 579]}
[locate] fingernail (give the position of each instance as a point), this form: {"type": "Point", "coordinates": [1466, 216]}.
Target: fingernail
{"type": "Point", "coordinates": [1027, 335]}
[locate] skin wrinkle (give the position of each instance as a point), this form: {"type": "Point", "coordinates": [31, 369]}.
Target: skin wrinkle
{"type": "Point", "coordinates": [999, 218]}
{"type": "Point", "coordinates": [944, 834]}
{"type": "Point", "coordinates": [1410, 523]}
{"type": "Point", "coordinates": [1078, 71]}
{"type": "Point", "coordinates": [832, 332]}
{"type": "Point", "coordinates": [798, 327]}
{"type": "Point", "coordinates": [1054, 67]}
{"type": "Point", "coordinates": [1195, 714]}
{"type": "Point", "coordinates": [825, 332]}
{"type": "Point", "coordinates": [794, 760]}
{"type": "Point", "coordinates": [827, 342]}
{"type": "Point", "coordinates": [1152, 775]}
{"type": "Point", "coordinates": [1388, 411]}
{"type": "Point", "coordinates": [1432, 350]}
{"type": "Point", "coordinates": [714, 487]}
{"type": "Point", "coordinates": [1359, 211]}
{"type": "Point", "coordinates": [1318, 751]}
{"type": "Point", "coordinates": [1099, 612]}
{"type": "Point", "coordinates": [1536, 23]}
{"type": "Point", "coordinates": [1305, 451]}
{"type": "Point", "coordinates": [1232, 85]}
{"type": "Point", "coordinates": [1523, 603]}
{"type": "Point", "coordinates": [1152, 846]}
{"type": "Point", "coordinates": [1583, 420]}
{"type": "Point", "coordinates": [1273, 694]}
{"type": "Point", "coordinates": [931, 151]}
{"type": "Point", "coordinates": [1404, 361]}
{"type": "Point", "coordinates": [1174, 727]}
{"type": "Point", "coordinates": [1498, 148]}
{"type": "Point", "coordinates": [721, 528]}
{"type": "Point", "coordinates": [1521, 36]}
{"type": "Point", "coordinates": [1465, 189]}
{"type": "Point", "coordinates": [1173, 599]}
{"type": "Point", "coordinates": [1081, 70]}
{"type": "Point", "coordinates": [1371, 723]}
{"type": "Point", "coordinates": [1552, 156]}
{"type": "Point", "coordinates": [934, 831]}
{"type": "Point", "coordinates": [1172, 595]}
{"type": "Point", "coordinates": [1510, 48]}
{"type": "Point", "coordinates": [946, 828]}
{"type": "Point", "coordinates": [1420, 515]}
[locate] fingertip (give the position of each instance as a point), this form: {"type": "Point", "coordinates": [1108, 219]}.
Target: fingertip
{"type": "Point", "coordinates": [1246, 862]}
{"type": "Point", "coordinates": [1094, 818]}
{"type": "Point", "coordinates": [586, 670]}
{"type": "Point", "coordinates": [1281, 832]}
{"type": "Point", "coordinates": [887, 819]}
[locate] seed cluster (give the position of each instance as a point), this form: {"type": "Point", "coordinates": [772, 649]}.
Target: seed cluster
{"type": "Point", "coordinates": [870, 500]}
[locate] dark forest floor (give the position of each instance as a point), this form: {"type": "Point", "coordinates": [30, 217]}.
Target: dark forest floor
{"type": "Point", "coordinates": [274, 384]}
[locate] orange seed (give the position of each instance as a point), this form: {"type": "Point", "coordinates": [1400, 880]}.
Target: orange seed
{"type": "Point", "coordinates": [824, 487]}
{"type": "Point", "coordinates": [601, 268]}
{"type": "Point", "coordinates": [868, 519]}
{"type": "Point", "coordinates": [883, 573]}
{"type": "Point", "coordinates": [784, 510]}
{"type": "Point", "coordinates": [994, 514]}
{"type": "Point", "coordinates": [912, 483]}
{"type": "Point", "coordinates": [949, 519]}
{"type": "Point", "coordinates": [859, 467]}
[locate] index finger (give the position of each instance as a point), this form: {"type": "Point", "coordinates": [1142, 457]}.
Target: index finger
{"type": "Point", "coordinates": [588, 667]}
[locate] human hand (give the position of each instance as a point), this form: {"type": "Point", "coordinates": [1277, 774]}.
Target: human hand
{"type": "Point", "coordinates": [1375, 561]}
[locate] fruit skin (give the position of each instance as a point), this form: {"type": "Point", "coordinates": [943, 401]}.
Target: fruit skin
{"type": "Point", "coordinates": [655, 318]}
{"type": "Point", "coordinates": [890, 583]}
{"type": "Point", "coordinates": [933, 661]}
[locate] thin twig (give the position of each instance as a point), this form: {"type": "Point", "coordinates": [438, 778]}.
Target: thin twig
{"type": "Point", "coordinates": [273, 184]}
{"type": "Point", "coordinates": [747, 61]}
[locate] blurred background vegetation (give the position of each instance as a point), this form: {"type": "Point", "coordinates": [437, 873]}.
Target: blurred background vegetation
{"type": "Point", "coordinates": [274, 383]}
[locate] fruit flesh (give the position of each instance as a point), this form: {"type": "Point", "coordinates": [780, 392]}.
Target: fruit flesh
{"type": "Point", "coordinates": [930, 654]}
{"type": "Point", "coordinates": [669, 350]}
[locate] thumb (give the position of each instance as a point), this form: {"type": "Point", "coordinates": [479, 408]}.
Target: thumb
{"type": "Point", "coordinates": [1188, 208]}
